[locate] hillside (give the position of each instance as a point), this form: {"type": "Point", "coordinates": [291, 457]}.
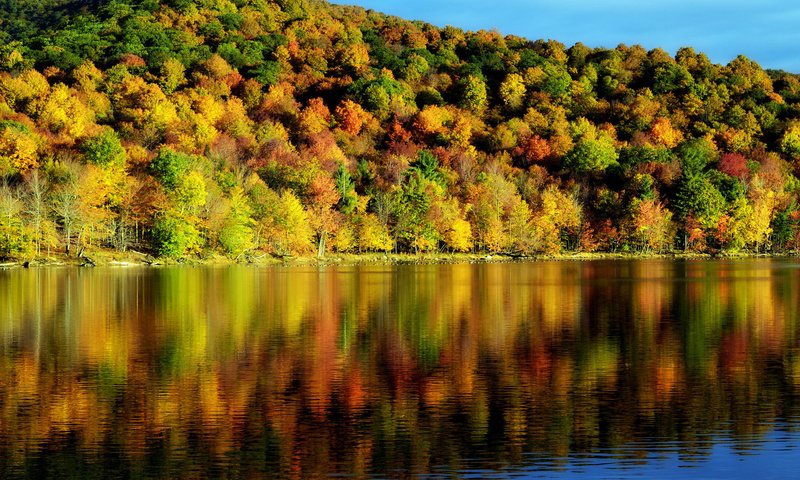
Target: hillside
{"type": "Point", "coordinates": [186, 127]}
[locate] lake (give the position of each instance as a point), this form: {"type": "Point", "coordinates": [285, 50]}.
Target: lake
{"type": "Point", "coordinates": [595, 369]}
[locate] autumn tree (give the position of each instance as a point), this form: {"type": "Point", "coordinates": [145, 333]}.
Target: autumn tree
{"type": "Point", "coordinates": [591, 156]}
{"type": "Point", "coordinates": [512, 91]}
{"type": "Point", "coordinates": [19, 148]}
{"type": "Point", "coordinates": [16, 240]}
{"type": "Point", "coordinates": [104, 149]}
{"type": "Point", "coordinates": [174, 236]}
{"type": "Point", "coordinates": [472, 93]}
{"type": "Point", "coordinates": [237, 236]}
{"type": "Point", "coordinates": [37, 210]}
{"type": "Point", "coordinates": [652, 227]}
{"type": "Point", "coordinates": [66, 207]}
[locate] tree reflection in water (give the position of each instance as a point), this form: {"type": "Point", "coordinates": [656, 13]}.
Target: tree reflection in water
{"type": "Point", "coordinates": [303, 372]}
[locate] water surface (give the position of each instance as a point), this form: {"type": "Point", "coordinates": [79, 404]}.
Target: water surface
{"type": "Point", "coordinates": [601, 369]}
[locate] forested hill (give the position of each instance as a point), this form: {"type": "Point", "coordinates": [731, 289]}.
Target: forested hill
{"type": "Point", "coordinates": [288, 127]}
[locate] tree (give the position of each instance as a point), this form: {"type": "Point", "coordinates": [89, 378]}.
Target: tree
{"type": "Point", "coordinates": [190, 193]}
{"type": "Point", "coordinates": [412, 203]}
{"type": "Point", "coordinates": [37, 210]}
{"type": "Point", "coordinates": [66, 205]}
{"type": "Point", "coordinates": [236, 236]}
{"type": "Point", "coordinates": [472, 93]}
{"type": "Point", "coordinates": [96, 216]}
{"type": "Point", "coordinates": [322, 196]}
{"type": "Point", "coordinates": [345, 187]}
{"type": "Point", "coordinates": [512, 91]}
{"type": "Point", "coordinates": [534, 150]}
{"type": "Point", "coordinates": [665, 134]}
{"type": "Point", "coordinates": [785, 228]}
{"type": "Point", "coordinates": [171, 75]}
{"type": "Point", "coordinates": [18, 148]}
{"type": "Point", "coordinates": [372, 234]}
{"type": "Point", "coordinates": [381, 94]}
{"type": "Point", "coordinates": [592, 156]}
{"type": "Point", "coordinates": [459, 236]}
{"type": "Point", "coordinates": [558, 218]}
{"type": "Point", "coordinates": [652, 226]}
{"type": "Point", "coordinates": [790, 142]}
{"type": "Point", "coordinates": [104, 149]}
{"type": "Point", "coordinates": [556, 81]}
{"type": "Point", "coordinates": [758, 225]}
{"type": "Point", "coordinates": [354, 58]}
{"type": "Point", "coordinates": [63, 112]}
{"type": "Point", "coordinates": [294, 232]}
{"type": "Point", "coordinates": [16, 240]}
{"type": "Point", "coordinates": [169, 167]}
{"type": "Point", "coordinates": [698, 197]}
{"type": "Point", "coordinates": [174, 236]}
{"type": "Point", "coordinates": [695, 155]}
{"type": "Point", "coordinates": [734, 164]}
{"type": "Point", "coordinates": [521, 231]}
{"type": "Point", "coordinates": [351, 117]}
{"type": "Point", "coordinates": [20, 91]}
{"type": "Point", "coordinates": [416, 68]}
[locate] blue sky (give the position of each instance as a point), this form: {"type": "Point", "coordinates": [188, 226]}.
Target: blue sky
{"type": "Point", "coordinates": [767, 31]}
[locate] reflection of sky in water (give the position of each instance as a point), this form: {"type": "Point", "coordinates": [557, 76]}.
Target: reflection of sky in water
{"type": "Point", "coordinates": [763, 31]}
{"type": "Point", "coordinates": [772, 455]}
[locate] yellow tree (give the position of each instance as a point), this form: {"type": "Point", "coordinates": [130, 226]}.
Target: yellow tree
{"type": "Point", "coordinates": [63, 112]}
{"type": "Point", "coordinates": [758, 225]}
{"type": "Point", "coordinates": [95, 212]}
{"type": "Point", "coordinates": [315, 117]}
{"type": "Point", "coordinates": [16, 240]}
{"type": "Point", "coordinates": [20, 90]}
{"type": "Point", "coordinates": [492, 201]}
{"type": "Point", "coordinates": [144, 104]}
{"type": "Point", "coordinates": [519, 227]}
{"type": "Point", "coordinates": [512, 91]}
{"type": "Point", "coordinates": [18, 148]}
{"type": "Point", "coordinates": [294, 232]}
{"type": "Point", "coordinates": [559, 214]}
{"type": "Point", "coordinates": [372, 234]}
{"type": "Point", "coordinates": [171, 75]}
{"type": "Point", "coordinates": [88, 82]}
{"type": "Point", "coordinates": [459, 236]}
{"type": "Point", "coordinates": [665, 134]}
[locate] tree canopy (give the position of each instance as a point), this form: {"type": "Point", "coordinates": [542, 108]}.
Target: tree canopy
{"type": "Point", "coordinates": [187, 127]}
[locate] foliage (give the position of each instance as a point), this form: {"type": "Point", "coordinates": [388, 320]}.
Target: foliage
{"type": "Point", "coordinates": [104, 149]}
{"type": "Point", "coordinates": [174, 236]}
{"type": "Point", "coordinates": [591, 156]}
{"type": "Point", "coordinates": [236, 236]}
{"type": "Point", "coordinates": [176, 126]}
{"type": "Point", "coordinates": [170, 166]}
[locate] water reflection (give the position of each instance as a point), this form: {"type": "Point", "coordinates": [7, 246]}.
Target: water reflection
{"type": "Point", "coordinates": [392, 371]}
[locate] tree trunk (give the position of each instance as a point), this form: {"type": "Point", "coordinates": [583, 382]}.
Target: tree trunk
{"type": "Point", "coordinates": [321, 246]}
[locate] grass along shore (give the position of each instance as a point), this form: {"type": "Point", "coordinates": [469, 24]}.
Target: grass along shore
{"type": "Point", "coordinates": [112, 258]}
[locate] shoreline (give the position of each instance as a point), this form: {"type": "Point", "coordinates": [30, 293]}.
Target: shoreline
{"type": "Point", "coordinates": [104, 258]}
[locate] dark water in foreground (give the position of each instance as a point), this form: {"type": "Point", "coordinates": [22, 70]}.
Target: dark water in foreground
{"type": "Point", "coordinates": [603, 369]}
